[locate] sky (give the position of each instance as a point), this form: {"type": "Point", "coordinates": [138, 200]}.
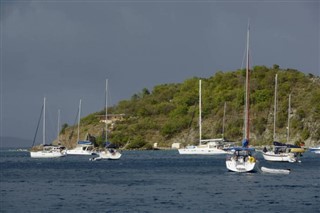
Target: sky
{"type": "Point", "coordinates": [64, 50]}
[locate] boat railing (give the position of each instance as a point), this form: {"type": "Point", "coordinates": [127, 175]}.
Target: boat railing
{"type": "Point", "coordinates": [217, 140]}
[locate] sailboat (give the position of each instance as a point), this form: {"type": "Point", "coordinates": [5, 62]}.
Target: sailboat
{"type": "Point", "coordinates": [109, 152]}
{"type": "Point", "coordinates": [206, 147]}
{"type": "Point", "coordinates": [45, 151]}
{"type": "Point", "coordinates": [315, 149]}
{"type": "Point", "coordinates": [84, 147]}
{"type": "Point", "coordinates": [282, 152]}
{"type": "Point", "coordinates": [242, 160]}
{"type": "Point", "coordinates": [58, 135]}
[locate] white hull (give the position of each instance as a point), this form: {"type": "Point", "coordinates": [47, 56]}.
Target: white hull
{"type": "Point", "coordinates": [46, 154]}
{"type": "Point", "coordinates": [107, 155]}
{"type": "Point", "coordinates": [282, 157]}
{"type": "Point", "coordinates": [315, 149]}
{"type": "Point", "coordinates": [275, 171]}
{"type": "Point", "coordinates": [71, 152]}
{"type": "Point", "coordinates": [240, 165]}
{"type": "Point", "coordinates": [81, 150]}
{"type": "Point", "coordinates": [110, 155]}
{"type": "Point", "coordinates": [201, 151]}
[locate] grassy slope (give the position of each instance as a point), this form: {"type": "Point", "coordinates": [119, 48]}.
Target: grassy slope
{"type": "Point", "coordinates": [169, 113]}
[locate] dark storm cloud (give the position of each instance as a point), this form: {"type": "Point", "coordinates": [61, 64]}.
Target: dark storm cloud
{"type": "Point", "coordinates": [65, 50]}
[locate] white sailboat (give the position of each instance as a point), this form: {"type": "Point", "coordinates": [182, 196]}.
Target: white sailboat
{"type": "Point", "coordinates": [206, 147]}
{"type": "Point", "coordinates": [242, 160]}
{"type": "Point", "coordinates": [315, 149]}
{"type": "Point", "coordinates": [83, 147]}
{"type": "Point", "coordinates": [108, 153]}
{"type": "Point", "coordinates": [282, 152]}
{"type": "Point", "coordinates": [46, 151]}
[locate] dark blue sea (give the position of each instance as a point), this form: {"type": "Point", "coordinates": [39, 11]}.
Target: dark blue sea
{"type": "Point", "coordinates": [154, 181]}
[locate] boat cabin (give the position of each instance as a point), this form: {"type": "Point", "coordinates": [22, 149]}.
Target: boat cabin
{"type": "Point", "coordinates": [280, 149]}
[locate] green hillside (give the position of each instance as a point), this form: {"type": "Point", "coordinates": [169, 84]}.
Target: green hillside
{"type": "Point", "coordinates": [169, 113]}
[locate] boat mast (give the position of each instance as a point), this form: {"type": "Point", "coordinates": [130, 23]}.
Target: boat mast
{"type": "Point", "coordinates": [106, 110]}
{"type": "Point", "coordinates": [44, 122]}
{"type": "Point", "coordinates": [224, 118]}
{"type": "Point", "coordinates": [200, 121]}
{"type": "Point", "coordinates": [288, 127]}
{"type": "Point", "coordinates": [58, 129]}
{"type": "Point", "coordinates": [79, 115]}
{"type": "Point", "coordinates": [275, 107]}
{"type": "Point", "coordinates": [247, 123]}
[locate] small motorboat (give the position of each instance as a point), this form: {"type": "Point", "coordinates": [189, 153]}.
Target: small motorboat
{"type": "Point", "coordinates": [284, 152]}
{"type": "Point", "coordinates": [275, 171]}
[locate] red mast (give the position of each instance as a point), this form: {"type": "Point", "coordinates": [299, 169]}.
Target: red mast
{"type": "Point", "coordinates": [247, 123]}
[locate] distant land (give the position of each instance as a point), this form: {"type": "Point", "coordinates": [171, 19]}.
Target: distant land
{"type": "Point", "coordinates": [14, 142]}
{"type": "Point", "coordinates": [169, 113]}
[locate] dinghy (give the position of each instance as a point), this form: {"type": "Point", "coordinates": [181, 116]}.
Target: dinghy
{"type": "Point", "coordinates": [275, 171]}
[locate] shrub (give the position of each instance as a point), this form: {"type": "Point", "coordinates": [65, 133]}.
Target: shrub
{"type": "Point", "coordinates": [64, 127]}
{"type": "Point", "coordinates": [305, 134]}
{"type": "Point", "coordinates": [136, 143]}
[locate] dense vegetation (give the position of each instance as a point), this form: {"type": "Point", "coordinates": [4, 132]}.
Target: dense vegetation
{"type": "Point", "coordinates": [169, 113]}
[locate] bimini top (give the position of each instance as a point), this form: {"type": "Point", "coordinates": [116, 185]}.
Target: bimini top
{"type": "Point", "coordinates": [275, 143]}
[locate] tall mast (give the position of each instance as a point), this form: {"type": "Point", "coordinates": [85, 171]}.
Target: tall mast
{"type": "Point", "coordinates": [224, 118]}
{"type": "Point", "coordinates": [79, 115]}
{"type": "Point", "coordinates": [275, 107]}
{"type": "Point", "coordinates": [106, 110]}
{"type": "Point", "coordinates": [289, 110]}
{"type": "Point", "coordinates": [58, 128]}
{"type": "Point", "coordinates": [247, 123]}
{"type": "Point", "coordinates": [200, 127]}
{"type": "Point", "coordinates": [44, 122]}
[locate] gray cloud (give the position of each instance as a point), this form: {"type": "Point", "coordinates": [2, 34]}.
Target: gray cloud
{"type": "Point", "coordinates": [65, 50]}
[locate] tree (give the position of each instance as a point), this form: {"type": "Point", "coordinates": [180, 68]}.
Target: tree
{"type": "Point", "coordinates": [63, 129]}
{"type": "Point", "coordinates": [145, 92]}
{"type": "Point", "coordinates": [276, 67]}
{"type": "Point", "coordinates": [170, 111]}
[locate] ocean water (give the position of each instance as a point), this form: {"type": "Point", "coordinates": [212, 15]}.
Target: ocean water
{"type": "Point", "coordinates": [154, 181]}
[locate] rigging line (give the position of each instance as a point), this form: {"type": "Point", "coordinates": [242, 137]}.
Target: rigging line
{"type": "Point", "coordinates": [75, 122]}
{"type": "Point", "coordinates": [244, 88]}
{"type": "Point", "coordinates": [244, 57]}
{"type": "Point", "coordinates": [106, 110]}
{"type": "Point", "coordinates": [35, 136]}
{"type": "Point", "coordinates": [190, 123]}
{"type": "Point", "coordinates": [49, 125]}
